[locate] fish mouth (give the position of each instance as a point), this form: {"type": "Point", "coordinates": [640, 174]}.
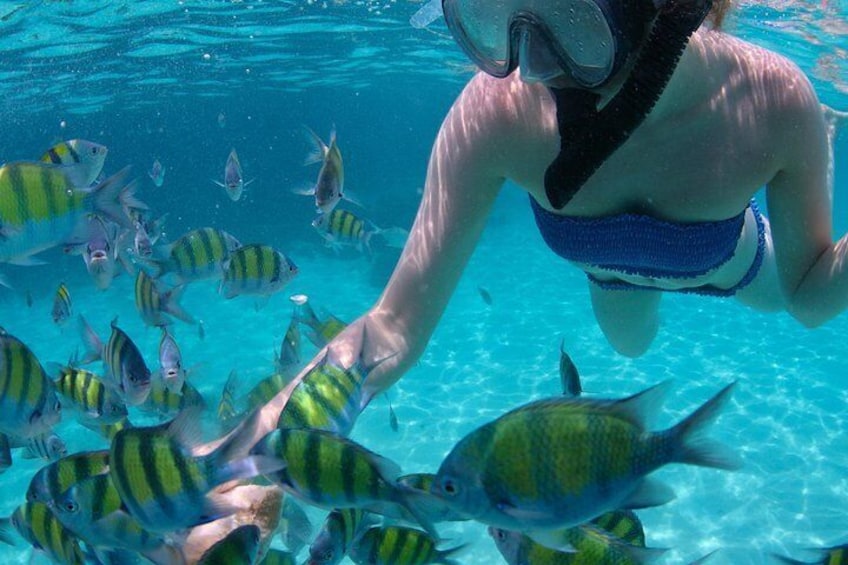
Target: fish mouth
{"type": "Point", "coordinates": [98, 255]}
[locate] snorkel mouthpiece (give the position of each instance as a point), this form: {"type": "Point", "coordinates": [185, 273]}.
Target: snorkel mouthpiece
{"type": "Point", "coordinates": [588, 136]}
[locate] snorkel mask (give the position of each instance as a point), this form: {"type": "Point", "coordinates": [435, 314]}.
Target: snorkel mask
{"type": "Point", "coordinates": [588, 41]}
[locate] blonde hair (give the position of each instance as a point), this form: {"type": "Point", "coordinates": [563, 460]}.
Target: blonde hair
{"type": "Point", "coordinates": [718, 12]}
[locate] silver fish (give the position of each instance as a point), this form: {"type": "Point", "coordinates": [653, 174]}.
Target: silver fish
{"type": "Point", "coordinates": [157, 173]}
{"type": "Point", "coordinates": [234, 182]}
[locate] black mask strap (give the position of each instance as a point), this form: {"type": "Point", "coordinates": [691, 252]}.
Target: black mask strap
{"type": "Point", "coordinates": [588, 137]}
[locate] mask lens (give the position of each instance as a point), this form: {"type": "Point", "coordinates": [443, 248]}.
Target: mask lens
{"type": "Point", "coordinates": [578, 31]}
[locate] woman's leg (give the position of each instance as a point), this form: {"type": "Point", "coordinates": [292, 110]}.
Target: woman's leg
{"type": "Point", "coordinates": [628, 318]}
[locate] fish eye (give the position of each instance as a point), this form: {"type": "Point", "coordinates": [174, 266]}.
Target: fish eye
{"type": "Point", "coordinates": [500, 535]}
{"type": "Point", "coordinates": [449, 486]}
{"type": "Point", "coordinates": [70, 506]}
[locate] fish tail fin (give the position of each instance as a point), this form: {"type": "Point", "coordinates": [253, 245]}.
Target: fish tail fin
{"type": "Point", "coordinates": [231, 459]}
{"type": "Point", "coordinates": [171, 300]}
{"type": "Point", "coordinates": [691, 447]}
{"type": "Point", "coordinates": [93, 345]}
{"type": "Point", "coordinates": [445, 556]}
{"type": "Point", "coordinates": [6, 531]}
{"type": "Point", "coordinates": [319, 148]}
{"type": "Point", "coordinates": [113, 197]}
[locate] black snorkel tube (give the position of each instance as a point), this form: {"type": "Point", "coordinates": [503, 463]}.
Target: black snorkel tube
{"type": "Point", "coordinates": [588, 136]}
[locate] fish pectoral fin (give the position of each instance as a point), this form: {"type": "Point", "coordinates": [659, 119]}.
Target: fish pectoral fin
{"type": "Point", "coordinates": [222, 185]}
{"type": "Point", "coordinates": [522, 514]}
{"type": "Point", "coordinates": [649, 493]}
{"type": "Point", "coordinates": [553, 539]}
{"type": "Point", "coordinates": [28, 261]}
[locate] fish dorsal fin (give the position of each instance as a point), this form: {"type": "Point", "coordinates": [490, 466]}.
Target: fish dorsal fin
{"type": "Point", "coordinates": [185, 429]}
{"type": "Point", "coordinates": [641, 407]}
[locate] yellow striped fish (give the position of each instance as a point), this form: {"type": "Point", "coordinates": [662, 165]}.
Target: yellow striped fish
{"type": "Point", "coordinates": [164, 486]}
{"type": "Point", "coordinates": [329, 188]}
{"type": "Point", "coordinates": [61, 305]}
{"type": "Point", "coordinates": [37, 524]}
{"type": "Point", "coordinates": [591, 546]}
{"type": "Point", "coordinates": [328, 397]}
{"type": "Point", "coordinates": [266, 389]}
{"type": "Point", "coordinates": [93, 510]}
{"type": "Point", "coordinates": [319, 331]}
{"type": "Point", "coordinates": [98, 403]}
{"type": "Point", "coordinates": [29, 405]}
{"type": "Point", "coordinates": [52, 480]}
{"type": "Point", "coordinates": [340, 531]}
{"type": "Point", "coordinates": [227, 411]}
{"type": "Point", "coordinates": [239, 547]}
{"type": "Point", "coordinates": [165, 403]}
{"type": "Point", "coordinates": [256, 269]}
{"type": "Point", "coordinates": [108, 431]}
{"type": "Point", "coordinates": [83, 160]}
{"type": "Point", "coordinates": [152, 304]}
{"type": "Point", "coordinates": [394, 545]}
{"type": "Point", "coordinates": [330, 471]}
{"type": "Point", "coordinates": [198, 254]}
{"type": "Point", "coordinates": [435, 509]}
{"type": "Point", "coordinates": [557, 463]}
{"type": "Point", "coordinates": [287, 362]}
{"type": "Point", "coordinates": [343, 227]}
{"type": "Point", "coordinates": [40, 208]}
{"type": "Point", "coordinates": [125, 367]}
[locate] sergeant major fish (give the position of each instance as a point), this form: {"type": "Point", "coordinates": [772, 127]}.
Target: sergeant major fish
{"type": "Point", "coordinates": [97, 402]}
{"type": "Point", "coordinates": [233, 179]}
{"type": "Point", "coordinates": [61, 305]}
{"type": "Point", "coordinates": [329, 188]}
{"type": "Point", "coordinates": [82, 160]}
{"type": "Point", "coordinates": [396, 545]}
{"type": "Point", "coordinates": [256, 269]}
{"type": "Point", "coordinates": [51, 481]}
{"type": "Point", "coordinates": [341, 529]}
{"type": "Point", "coordinates": [29, 405]}
{"type": "Point", "coordinates": [523, 472]}
{"type": "Point", "coordinates": [40, 207]}
{"type": "Point", "coordinates": [126, 369]}
{"type": "Point", "coordinates": [174, 493]}
{"type": "Point", "coordinates": [37, 524]}
{"type": "Point", "coordinates": [198, 254]}
{"type": "Point", "coordinates": [152, 303]}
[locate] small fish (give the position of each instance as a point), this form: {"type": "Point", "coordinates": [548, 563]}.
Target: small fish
{"type": "Point", "coordinates": [28, 299]}
{"type": "Point", "coordinates": [142, 244]}
{"type": "Point", "coordinates": [92, 509]}
{"type": "Point", "coordinates": [171, 369]}
{"type": "Point", "coordinates": [233, 179]}
{"type": "Point", "coordinates": [157, 173]}
{"type": "Point", "coordinates": [329, 188]}
{"type": "Point", "coordinates": [568, 375]}
{"type": "Point", "coordinates": [222, 120]}
{"type": "Point", "coordinates": [590, 545]}
{"type": "Point", "coordinates": [256, 269]}
{"type": "Point", "coordinates": [531, 449]}
{"type": "Point", "coordinates": [174, 493]}
{"type": "Point", "coordinates": [29, 405]}
{"type": "Point", "coordinates": [330, 471]}
{"type": "Point", "coordinates": [5, 453]}
{"type": "Point", "coordinates": [341, 228]}
{"type": "Point", "coordinates": [239, 547]}
{"type": "Point", "coordinates": [342, 528]}
{"type": "Point", "coordinates": [329, 397]}
{"type": "Point", "coordinates": [152, 303]}
{"type": "Point", "coordinates": [836, 555]}
{"type": "Point", "coordinates": [41, 207]}
{"type": "Point", "coordinates": [201, 330]}
{"type": "Point", "coordinates": [101, 252]}
{"type": "Point", "coordinates": [82, 160]}
{"type": "Point", "coordinates": [319, 331]}
{"type": "Point", "coordinates": [126, 369]}
{"type": "Point", "coordinates": [393, 421]}
{"type": "Point", "coordinates": [61, 305]}
{"type": "Point", "coordinates": [288, 360]}
{"type": "Point", "coordinates": [395, 545]}
{"type": "Point", "coordinates": [48, 447]}
{"type": "Point", "coordinates": [52, 480]}
{"type": "Point", "coordinates": [295, 527]}
{"type": "Point", "coordinates": [166, 403]}
{"type": "Point", "coordinates": [37, 524]}
{"type": "Point", "coordinates": [484, 294]}
{"type": "Point", "coordinates": [198, 254]}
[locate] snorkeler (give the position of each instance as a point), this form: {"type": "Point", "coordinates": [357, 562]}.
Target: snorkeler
{"type": "Point", "coordinates": [641, 134]}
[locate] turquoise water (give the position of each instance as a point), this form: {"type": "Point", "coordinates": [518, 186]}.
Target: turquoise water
{"type": "Point", "coordinates": [137, 78]}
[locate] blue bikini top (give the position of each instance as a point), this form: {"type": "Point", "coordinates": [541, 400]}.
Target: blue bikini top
{"type": "Point", "coordinates": [638, 244]}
